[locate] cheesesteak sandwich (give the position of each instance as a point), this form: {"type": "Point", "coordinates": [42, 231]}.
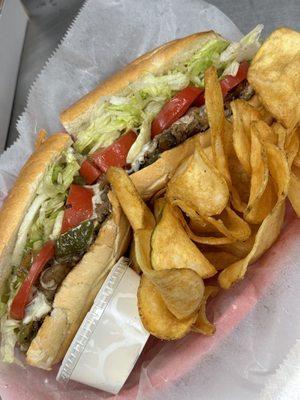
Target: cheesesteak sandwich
{"type": "Point", "coordinates": [62, 228]}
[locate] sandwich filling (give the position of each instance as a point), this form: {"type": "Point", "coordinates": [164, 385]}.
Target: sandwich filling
{"type": "Point", "coordinates": [129, 130]}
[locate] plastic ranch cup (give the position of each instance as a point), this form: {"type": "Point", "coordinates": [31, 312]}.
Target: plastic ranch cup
{"type": "Point", "coordinates": [111, 337]}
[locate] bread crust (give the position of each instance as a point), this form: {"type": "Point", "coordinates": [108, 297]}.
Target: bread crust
{"type": "Point", "coordinates": [156, 61]}
{"type": "Point", "coordinates": [20, 197]}
{"type": "Point", "coordinates": [77, 292]}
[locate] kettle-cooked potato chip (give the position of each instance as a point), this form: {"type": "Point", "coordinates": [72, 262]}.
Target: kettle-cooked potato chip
{"type": "Point", "coordinates": [198, 185]}
{"type": "Point", "coordinates": [216, 119]}
{"type": "Point", "coordinates": [243, 115]}
{"type": "Point", "coordinates": [294, 190]}
{"type": "Point", "coordinates": [264, 132]}
{"type": "Point", "coordinates": [158, 207]}
{"type": "Point", "coordinates": [156, 317]}
{"type": "Point", "coordinates": [202, 324]}
{"type": "Point", "coordinates": [220, 259]}
{"type": "Point", "coordinates": [256, 213]}
{"type": "Point", "coordinates": [259, 169]}
{"type": "Point", "coordinates": [172, 248]}
{"type": "Point", "coordinates": [279, 170]}
{"type": "Point", "coordinates": [275, 75]}
{"type": "Point", "coordinates": [291, 146]}
{"type": "Point", "coordinates": [134, 208]}
{"type": "Point", "coordinates": [280, 132]}
{"type": "Point", "coordinates": [181, 289]}
{"type": "Point", "coordinates": [265, 237]}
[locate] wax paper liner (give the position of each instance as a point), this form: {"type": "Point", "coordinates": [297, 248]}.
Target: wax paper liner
{"type": "Point", "coordinates": [105, 36]}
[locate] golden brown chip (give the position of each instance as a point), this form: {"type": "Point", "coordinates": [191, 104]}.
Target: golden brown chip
{"type": "Point", "coordinates": [274, 74]}
{"type": "Point", "coordinates": [263, 206]}
{"type": "Point", "coordinates": [156, 317]}
{"type": "Point", "coordinates": [264, 132]}
{"type": "Point", "coordinates": [243, 115]}
{"type": "Point", "coordinates": [240, 182]}
{"type": "Point", "coordinates": [265, 237]}
{"type": "Point", "coordinates": [181, 289]}
{"type": "Point", "coordinates": [202, 324]}
{"type": "Point", "coordinates": [280, 132]}
{"type": "Point", "coordinates": [265, 115]}
{"type": "Point", "coordinates": [132, 258]}
{"type": "Point", "coordinates": [239, 249]}
{"type": "Point", "coordinates": [294, 190]}
{"type": "Point", "coordinates": [231, 225]}
{"type": "Point", "coordinates": [291, 146]}
{"type": "Point", "coordinates": [172, 248]}
{"type": "Point", "coordinates": [138, 214]}
{"type": "Point", "coordinates": [198, 185]}
{"type": "Point", "coordinates": [279, 170]}
{"type": "Point", "coordinates": [220, 259]}
{"type": "Point", "coordinates": [259, 169]}
{"type": "Point", "coordinates": [158, 207]}
{"type": "Point", "coordinates": [216, 120]}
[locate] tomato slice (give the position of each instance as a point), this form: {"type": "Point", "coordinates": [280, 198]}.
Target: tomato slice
{"type": "Point", "coordinates": [17, 308]}
{"type": "Point", "coordinates": [174, 109]}
{"type": "Point", "coordinates": [229, 82]}
{"type": "Point", "coordinates": [89, 172]}
{"type": "Point", "coordinates": [115, 155]}
{"type": "Point", "coordinates": [79, 207]}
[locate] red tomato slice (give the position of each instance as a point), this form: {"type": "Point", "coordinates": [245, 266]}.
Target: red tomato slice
{"type": "Point", "coordinates": [89, 172]}
{"type": "Point", "coordinates": [115, 155]}
{"type": "Point", "coordinates": [17, 308]}
{"type": "Point", "coordinates": [79, 207]}
{"type": "Point", "coordinates": [174, 109]}
{"type": "Point", "coordinates": [229, 82]}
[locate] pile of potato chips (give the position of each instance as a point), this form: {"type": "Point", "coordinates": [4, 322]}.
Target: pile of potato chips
{"type": "Point", "coordinates": [224, 206]}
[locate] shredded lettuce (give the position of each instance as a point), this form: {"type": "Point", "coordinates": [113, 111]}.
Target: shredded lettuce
{"type": "Point", "coordinates": [243, 50]}
{"type": "Point", "coordinates": [9, 337]}
{"type": "Point", "coordinates": [120, 113]}
{"type": "Point", "coordinates": [208, 55]}
{"type": "Point", "coordinates": [144, 136]}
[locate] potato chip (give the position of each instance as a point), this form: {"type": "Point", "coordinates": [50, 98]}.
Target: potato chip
{"type": "Point", "coordinates": [274, 74]}
{"type": "Point", "coordinates": [294, 190]}
{"type": "Point", "coordinates": [259, 168]}
{"type": "Point", "coordinates": [291, 146]}
{"type": "Point", "coordinates": [202, 324]}
{"type": "Point", "coordinates": [280, 132]}
{"type": "Point", "coordinates": [265, 115]}
{"type": "Point", "coordinates": [158, 207]}
{"type": "Point", "coordinates": [264, 132]}
{"type": "Point", "coordinates": [220, 259]}
{"type": "Point", "coordinates": [134, 208]}
{"type": "Point", "coordinates": [296, 161]}
{"type": "Point", "coordinates": [240, 182]}
{"type": "Point", "coordinates": [228, 223]}
{"type": "Point", "coordinates": [181, 289]}
{"type": "Point", "coordinates": [256, 213]}
{"type": "Point", "coordinates": [243, 115]}
{"type": "Point", "coordinates": [198, 185]}
{"type": "Point", "coordinates": [265, 237]}
{"type": "Point", "coordinates": [172, 248]}
{"type": "Point", "coordinates": [239, 249]}
{"type": "Point", "coordinates": [156, 317]}
{"type": "Point", "coordinates": [279, 170]}
{"type": "Point", "coordinates": [231, 225]}
{"type": "Point", "coordinates": [132, 258]}
{"type": "Point", "coordinates": [216, 120]}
